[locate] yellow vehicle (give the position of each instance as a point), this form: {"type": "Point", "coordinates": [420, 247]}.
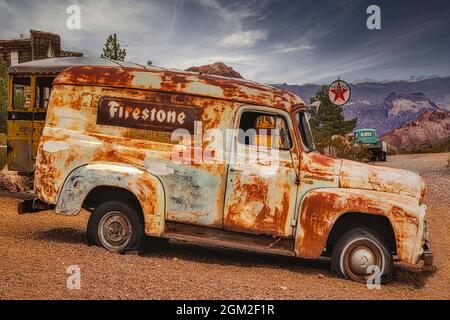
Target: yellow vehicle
{"type": "Point", "coordinates": [29, 87]}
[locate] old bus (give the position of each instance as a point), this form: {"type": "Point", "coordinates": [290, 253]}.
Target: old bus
{"type": "Point", "coordinates": [29, 87]}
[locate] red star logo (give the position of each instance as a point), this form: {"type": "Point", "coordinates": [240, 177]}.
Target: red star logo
{"type": "Point", "coordinates": [339, 92]}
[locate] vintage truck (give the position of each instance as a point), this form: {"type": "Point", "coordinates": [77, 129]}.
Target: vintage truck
{"type": "Point", "coordinates": [217, 161]}
{"type": "Point", "coordinates": [369, 137]}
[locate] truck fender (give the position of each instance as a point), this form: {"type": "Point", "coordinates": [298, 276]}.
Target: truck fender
{"type": "Point", "coordinates": [321, 208]}
{"type": "Point", "coordinates": [146, 187]}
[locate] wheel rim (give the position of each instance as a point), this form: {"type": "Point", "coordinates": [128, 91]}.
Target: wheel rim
{"type": "Point", "coordinates": [115, 231]}
{"type": "Point", "coordinates": [358, 256]}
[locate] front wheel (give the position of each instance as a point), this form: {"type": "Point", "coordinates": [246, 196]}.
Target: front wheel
{"type": "Point", "coordinates": [115, 226]}
{"type": "Point", "coordinates": [358, 254]}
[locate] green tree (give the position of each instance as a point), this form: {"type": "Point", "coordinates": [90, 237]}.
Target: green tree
{"type": "Point", "coordinates": [3, 95]}
{"type": "Point", "coordinates": [328, 121]}
{"type": "Point", "coordinates": [112, 49]}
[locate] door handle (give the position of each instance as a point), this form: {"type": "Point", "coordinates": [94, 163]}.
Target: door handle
{"type": "Point", "coordinates": [236, 170]}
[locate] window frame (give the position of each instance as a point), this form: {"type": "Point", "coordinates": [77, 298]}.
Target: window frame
{"type": "Point", "coordinates": [304, 146]}
{"type": "Point", "coordinates": [266, 111]}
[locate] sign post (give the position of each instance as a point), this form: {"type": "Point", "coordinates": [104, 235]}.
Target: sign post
{"type": "Point", "coordinates": [339, 93]}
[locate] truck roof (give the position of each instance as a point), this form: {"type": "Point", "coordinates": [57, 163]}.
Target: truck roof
{"type": "Point", "coordinates": [56, 65]}
{"type": "Point", "coordinates": [365, 129]}
{"type": "Point", "coordinates": [170, 80]}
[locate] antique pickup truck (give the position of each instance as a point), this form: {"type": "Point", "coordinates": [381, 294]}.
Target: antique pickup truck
{"type": "Point", "coordinates": [217, 161]}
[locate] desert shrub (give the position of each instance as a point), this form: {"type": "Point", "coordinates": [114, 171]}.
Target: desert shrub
{"type": "Point", "coordinates": [340, 147]}
{"type": "Point", "coordinates": [391, 150]}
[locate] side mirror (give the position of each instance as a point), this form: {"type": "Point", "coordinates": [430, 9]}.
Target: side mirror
{"type": "Point", "coordinates": [313, 108]}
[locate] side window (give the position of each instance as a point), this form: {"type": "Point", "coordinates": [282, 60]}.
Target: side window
{"type": "Point", "coordinates": [43, 88]}
{"type": "Point", "coordinates": [22, 93]}
{"type": "Point", "coordinates": [264, 130]}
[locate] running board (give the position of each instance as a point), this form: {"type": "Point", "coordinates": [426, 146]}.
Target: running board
{"type": "Point", "coordinates": [207, 236]}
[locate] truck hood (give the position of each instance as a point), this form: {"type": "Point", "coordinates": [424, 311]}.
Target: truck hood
{"type": "Point", "coordinates": [364, 176]}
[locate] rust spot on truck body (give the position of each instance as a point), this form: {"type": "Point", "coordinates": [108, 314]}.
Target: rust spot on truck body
{"type": "Point", "coordinates": [164, 80]}
{"type": "Point", "coordinates": [322, 207]}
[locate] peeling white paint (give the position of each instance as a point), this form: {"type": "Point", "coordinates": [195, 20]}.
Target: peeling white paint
{"type": "Point", "coordinates": [146, 79]}
{"type": "Point", "coordinates": [160, 169]}
{"type": "Point", "coordinates": [55, 146]}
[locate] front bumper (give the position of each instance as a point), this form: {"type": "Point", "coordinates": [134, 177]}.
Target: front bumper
{"type": "Point", "coordinates": [427, 255]}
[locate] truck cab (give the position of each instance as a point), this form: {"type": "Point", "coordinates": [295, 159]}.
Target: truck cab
{"type": "Point", "coordinates": [151, 152]}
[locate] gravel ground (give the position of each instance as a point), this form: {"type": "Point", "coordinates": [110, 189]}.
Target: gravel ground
{"type": "Point", "coordinates": [37, 249]}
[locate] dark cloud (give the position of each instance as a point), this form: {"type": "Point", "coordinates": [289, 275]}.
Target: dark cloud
{"type": "Point", "coordinates": [268, 40]}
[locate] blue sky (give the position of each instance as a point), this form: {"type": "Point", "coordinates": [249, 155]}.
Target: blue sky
{"type": "Point", "coordinates": [268, 41]}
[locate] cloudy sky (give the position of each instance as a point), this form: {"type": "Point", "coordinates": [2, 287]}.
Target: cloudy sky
{"type": "Point", "coordinates": [270, 41]}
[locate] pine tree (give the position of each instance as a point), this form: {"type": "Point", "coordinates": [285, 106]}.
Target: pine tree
{"type": "Point", "coordinates": [329, 120]}
{"type": "Point", "coordinates": [112, 49]}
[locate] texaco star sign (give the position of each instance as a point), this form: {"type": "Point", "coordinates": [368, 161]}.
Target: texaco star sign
{"type": "Point", "coordinates": [339, 92]}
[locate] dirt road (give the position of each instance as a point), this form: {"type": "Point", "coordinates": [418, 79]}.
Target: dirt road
{"type": "Point", "coordinates": [37, 249]}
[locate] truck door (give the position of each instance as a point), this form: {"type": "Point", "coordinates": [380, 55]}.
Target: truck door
{"type": "Point", "coordinates": [261, 184]}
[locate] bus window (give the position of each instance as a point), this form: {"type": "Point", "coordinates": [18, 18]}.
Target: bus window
{"type": "Point", "coordinates": [22, 93]}
{"type": "Point", "coordinates": [43, 88]}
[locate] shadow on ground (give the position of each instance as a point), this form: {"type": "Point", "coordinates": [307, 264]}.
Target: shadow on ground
{"type": "Point", "coordinates": [412, 275]}
{"type": "Point", "coordinates": [62, 235]}
{"type": "Point", "coordinates": [164, 249]}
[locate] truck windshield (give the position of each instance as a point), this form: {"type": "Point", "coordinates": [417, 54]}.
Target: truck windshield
{"type": "Point", "coordinates": [305, 131]}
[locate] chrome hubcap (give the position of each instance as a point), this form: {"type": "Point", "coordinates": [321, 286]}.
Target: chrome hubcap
{"type": "Point", "coordinates": [360, 259]}
{"type": "Point", "coordinates": [358, 256]}
{"type": "Point", "coordinates": [115, 231]}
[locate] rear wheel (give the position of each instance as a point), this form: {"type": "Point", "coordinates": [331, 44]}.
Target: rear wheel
{"type": "Point", "coordinates": [359, 253]}
{"type": "Point", "coordinates": [375, 155]}
{"type": "Point", "coordinates": [116, 226]}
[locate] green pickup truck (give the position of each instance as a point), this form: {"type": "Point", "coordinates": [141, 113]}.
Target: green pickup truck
{"type": "Point", "coordinates": [375, 145]}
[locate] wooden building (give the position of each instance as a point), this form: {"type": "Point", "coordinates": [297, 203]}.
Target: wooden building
{"type": "Point", "coordinates": [40, 45]}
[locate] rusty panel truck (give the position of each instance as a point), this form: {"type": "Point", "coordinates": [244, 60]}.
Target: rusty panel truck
{"type": "Point", "coordinates": [217, 161]}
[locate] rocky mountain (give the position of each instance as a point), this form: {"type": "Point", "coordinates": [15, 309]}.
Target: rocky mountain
{"type": "Point", "coordinates": [395, 110]}
{"type": "Point", "coordinates": [378, 106]}
{"type": "Point", "coordinates": [218, 68]}
{"type": "Point", "coordinates": [437, 89]}
{"type": "Point", "coordinates": [431, 129]}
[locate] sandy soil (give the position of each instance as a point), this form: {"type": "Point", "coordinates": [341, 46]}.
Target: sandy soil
{"type": "Point", "coordinates": [37, 249]}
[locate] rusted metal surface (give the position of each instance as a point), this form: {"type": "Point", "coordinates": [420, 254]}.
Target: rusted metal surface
{"type": "Point", "coordinates": [88, 141]}
{"type": "Point", "coordinates": [229, 239]}
{"type": "Point", "coordinates": [260, 197]}
{"type": "Point", "coordinates": [146, 187]}
{"type": "Point", "coordinates": [363, 176]}
{"type": "Point", "coordinates": [194, 192]}
{"type": "Point", "coordinates": [332, 187]}
{"type": "Point", "coordinates": [182, 82]}
{"type": "Point", "coordinates": [321, 208]}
